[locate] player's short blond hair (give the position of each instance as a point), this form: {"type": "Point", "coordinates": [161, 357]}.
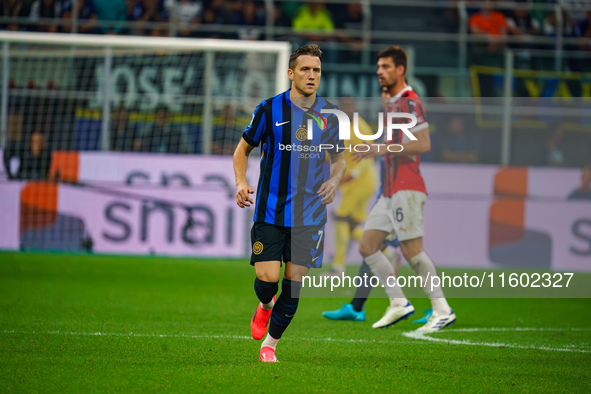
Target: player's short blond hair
{"type": "Point", "coordinates": [311, 50]}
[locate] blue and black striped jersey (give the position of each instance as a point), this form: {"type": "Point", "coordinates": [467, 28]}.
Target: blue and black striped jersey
{"type": "Point", "coordinates": [291, 165]}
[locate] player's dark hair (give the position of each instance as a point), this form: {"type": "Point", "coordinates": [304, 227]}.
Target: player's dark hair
{"type": "Point", "coordinates": [312, 50]}
{"type": "Point", "coordinates": [397, 54]}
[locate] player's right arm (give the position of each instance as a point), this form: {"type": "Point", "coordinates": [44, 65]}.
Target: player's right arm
{"type": "Point", "coordinates": [243, 189]}
{"type": "Point", "coordinates": [250, 139]}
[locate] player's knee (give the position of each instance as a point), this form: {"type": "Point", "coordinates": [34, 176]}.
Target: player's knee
{"type": "Point", "coordinates": [408, 256]}
{"type": "Point", "coordinates": [295, 272]}
{"type": "Point", "coordinates": [295, 276]}
{"type": "Point", "coordinates": [268, 276]}
{"type": "Point", "coordinates": [410, 250]}
{"type": "Point", "coordinates": [367, 250]}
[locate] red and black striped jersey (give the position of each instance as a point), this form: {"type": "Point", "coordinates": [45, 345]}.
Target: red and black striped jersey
{"type": "Point", "coordinates": [401, 172]}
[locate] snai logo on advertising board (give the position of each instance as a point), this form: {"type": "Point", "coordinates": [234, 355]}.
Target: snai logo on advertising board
{"type": "Point", "coordinates": [165, 204]}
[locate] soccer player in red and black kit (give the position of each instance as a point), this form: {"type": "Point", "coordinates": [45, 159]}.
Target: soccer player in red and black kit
{"type": "Point", "coordinates": [398, 212]}
{"type": "Point", "coordinates": [290, 208]}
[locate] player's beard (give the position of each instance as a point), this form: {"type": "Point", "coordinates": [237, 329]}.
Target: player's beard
{"type": "Point", "coordinates": [388, 86]}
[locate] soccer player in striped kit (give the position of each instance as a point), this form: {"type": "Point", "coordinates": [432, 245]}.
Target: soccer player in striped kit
{"type": "Point", "coordinates": [290, 208]}
{"type": "Point", "coordinates": [399, 210]}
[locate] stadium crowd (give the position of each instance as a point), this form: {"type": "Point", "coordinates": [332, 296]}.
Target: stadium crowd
{"type": "Point", "coordinates": [504, 25]}
{"type": "Point", "coordinates": [314, 21]}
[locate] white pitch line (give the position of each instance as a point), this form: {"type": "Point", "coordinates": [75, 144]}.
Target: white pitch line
{"type": "Point", "coordinates": [425, 337]}
{"type": "Point", "coordinates": [540, 329]}
{"type": "Point", "coordinates": [410, 334]}
{"type": "Point", "coordinates": [131, 334]}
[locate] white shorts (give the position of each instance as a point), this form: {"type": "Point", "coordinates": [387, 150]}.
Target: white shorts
{"type": "Point", "coordinates": [400, 215]}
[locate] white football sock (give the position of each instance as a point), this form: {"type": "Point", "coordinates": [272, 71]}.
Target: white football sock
{"type": "Point", "coordinates": [380, 266]}
{"type": "Point", "coordinates": [424, 267]}
{"type": "Point", "coordinates": [395, 259]}
{"type": "Point", "coordinates": [270, 341]}
{"type": "Point", "coordinates": [268, 306]}
{"type": "Point", "coordinates": [440, 306]}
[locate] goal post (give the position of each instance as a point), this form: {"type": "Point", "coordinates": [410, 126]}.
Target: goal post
{"type": "Point", "coordinates": [113, 144]}
{"type": "Point", "coordinates": [195, 79]}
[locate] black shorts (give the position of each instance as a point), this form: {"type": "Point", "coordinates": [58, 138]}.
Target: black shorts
{"type": "Point", "coordinates": [301, 245]}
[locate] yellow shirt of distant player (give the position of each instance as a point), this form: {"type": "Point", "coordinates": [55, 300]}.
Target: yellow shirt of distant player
{"type": "Point", "coordinates": [359, 181]}
{"type": "Point", "coordinates": [363, 170]}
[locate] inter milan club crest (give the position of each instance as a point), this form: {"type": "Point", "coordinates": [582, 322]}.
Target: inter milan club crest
{"type": "Point", "coordinates": [257, 248]}
{"type": "Point", "coordinates": [301, 133]}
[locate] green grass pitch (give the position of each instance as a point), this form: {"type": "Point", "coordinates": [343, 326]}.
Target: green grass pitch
{"type": "Point", "coordinates": [181, 325]}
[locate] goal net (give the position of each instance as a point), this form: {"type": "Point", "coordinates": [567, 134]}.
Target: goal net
{"type": "Point", "coordinates": [96, 111]}
{"type": "Point", "coordinates": [136, 93]}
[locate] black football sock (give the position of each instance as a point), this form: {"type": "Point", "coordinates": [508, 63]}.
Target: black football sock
{"type": "Point", "coordinates": [285, 307]}
{"type": "Point", "coordinates": [265, 290]}
{"type": "Point", "coordinates": [362, 292]}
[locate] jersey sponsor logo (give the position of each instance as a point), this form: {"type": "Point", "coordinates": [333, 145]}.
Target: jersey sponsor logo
{"type": "Point", "coordinates": [257, 248]}
{"type": "Point", "coordinates": [280, 124]}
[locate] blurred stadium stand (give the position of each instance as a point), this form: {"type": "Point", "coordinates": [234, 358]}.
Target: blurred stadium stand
{"type": "Point", "coordinates": [449, 60]}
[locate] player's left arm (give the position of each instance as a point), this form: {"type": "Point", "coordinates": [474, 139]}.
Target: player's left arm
{"type": "Point", "coordinates": [420, 146]}
{"type": "Point", "coordinates": [338, 166]}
